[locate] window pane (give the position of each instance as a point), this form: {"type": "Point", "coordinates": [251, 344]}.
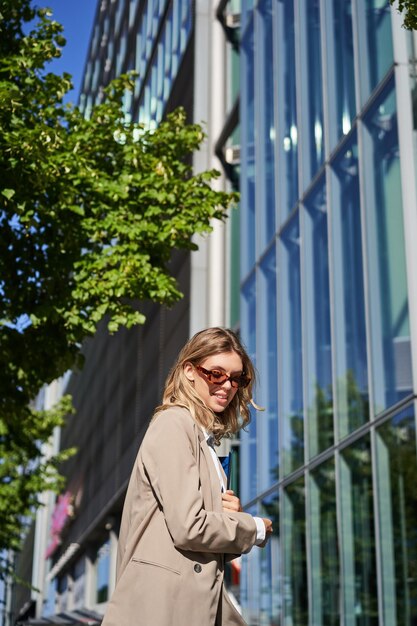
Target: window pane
{"type": "Point", "coordinates": [103, 572]}
{"type": "Point", "coordinates": [312, 84]}
{"type": "Point", "coordinates": [249, 474]}
{"type": "Point", "coordinates": [358, 535]}
{"type": "Point", "coordinates": [397, 488]}
{"type": "Point", "coordinates": [295, 559]}
{"type": "Point", "coordinates": [287, 108]}
{"type": "Point", "coordinates": [266, 166]}
{"type": "Point", "coordinates": [325, 578]}
{"type": "Point", "coordinates": [375, 43]}
{"type": "Point", "coordinates": [248, 151]}
{"type": "Point", "coordinates": [261, 572]}
{"type": "Point", "coordinates": [234, 285]}
{"type": "Point", "coordinates": [79, 584]}
{"type": "Point", "coordinates": [268, 374]}
{"type": "Point", "coordinates": [318, 368]}
{"type": "Point", "coordinates": [271, 599]}
{"type": "Point", "coordinates": [341, 68]}
{"type": "Point", "coordinates": [290, 370]}
{"type": "Point", "coordinates": [250, 581]}
{"type": "Point", "coordinates": [390, 333]}
{"type": "Point", "coordinates": [348, 288]}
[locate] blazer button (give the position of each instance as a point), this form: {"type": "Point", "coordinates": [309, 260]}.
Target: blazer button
{"type": "Point", "coordinates": [197, 568]}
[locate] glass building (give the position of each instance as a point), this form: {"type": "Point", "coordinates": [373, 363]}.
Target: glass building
{"type": "Point", "coordinates": [320, 135]}
{"type": "Point", "coordinates": [149, 38]}
{"type": "Point", "coordinates": [328, 311]}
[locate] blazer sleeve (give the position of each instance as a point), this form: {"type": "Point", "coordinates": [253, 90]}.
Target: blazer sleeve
{"type": "Point", "coordinates": [171, 466]}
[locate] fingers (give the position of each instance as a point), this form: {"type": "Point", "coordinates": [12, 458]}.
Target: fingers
{"type": "Point", "coordinates": [231, 502]}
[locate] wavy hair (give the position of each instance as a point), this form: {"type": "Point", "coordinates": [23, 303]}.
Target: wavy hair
{"type": "Point", "coordinates": [179, 390]}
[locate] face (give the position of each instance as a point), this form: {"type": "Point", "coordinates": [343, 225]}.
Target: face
{"type": "Point", "coordinates": [216, 397]}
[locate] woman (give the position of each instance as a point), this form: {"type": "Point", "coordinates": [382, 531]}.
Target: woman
{"type": "Point", "coordinates": [179, 522]}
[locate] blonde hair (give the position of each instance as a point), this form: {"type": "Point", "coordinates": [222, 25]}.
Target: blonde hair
{"type": "Point", "coordinates": [179, 390]}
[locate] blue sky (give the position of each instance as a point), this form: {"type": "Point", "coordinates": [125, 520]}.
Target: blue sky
{"type": "Point", "coordinates": [77, 18]}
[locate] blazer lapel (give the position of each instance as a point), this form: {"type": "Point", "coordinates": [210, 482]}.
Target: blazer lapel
{"type": "Point", "coordinates": [211, 490]}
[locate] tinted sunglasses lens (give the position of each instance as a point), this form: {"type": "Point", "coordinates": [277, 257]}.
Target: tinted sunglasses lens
{"type": "Point", "coordinates": [239, 382]}
{"type": "Point", "coordinates": [218, 378]}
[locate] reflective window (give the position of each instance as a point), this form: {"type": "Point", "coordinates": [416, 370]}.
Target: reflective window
{"type": "Point", "coordinates": [249, 473]}
{"type": "Point", "coordinates": [132, 11]}
{"type": "Point", "coordinates": [375, 43]}
{"type": "Point", "coordinates": [248, 152]}
{"type": "Point", "coordinates": [324, 549]}
{"type": "Point", "coordinates": [103, 572]}
{"type": "Point", "coordinates": [63, 592]}
{"type": "Point", "coordinates": [348, 289]}
{"type": "Point", "coordinates": [250, 581]}
{"type": "Point", "coordinates": [290, 346]}
{"type": "Point", "coordinates": [397, 490]}
{"type": "Point", "coordinates": [267, 369]}
{"type": "Point", "coordinates": [287, 108]}
{"type": "Point", "coordinates": [79, 584]}
{"type": "Point", "coordinates": [311, 95]}
{"type": "Point", "coordinates": [234, 247]}
{"type": "Point", "coordinates": [341, 69]}
{"type": "Point", "coordinates": [120, 6]}
{"type": "Point", "coordinates": [261, 598]}
{"type": "Point", "coordinates": [247, 6]}
{"type": "Point", "coordinates": [234, 76]}
{"type": "Point", "coordinates": [173, 39]}
{"type": "Point", "coordinates": [270, 600]}
{"type": "Point", "coordinates": [357, 535]}
{"type": "Point", "coordinates": [266, 175]}
{"type": "Point", "coordinates": [388, 299]}
{"type": "Point", "coordinates": [318, 358]}
{"type": "Point", "coordinates": [295, 555]}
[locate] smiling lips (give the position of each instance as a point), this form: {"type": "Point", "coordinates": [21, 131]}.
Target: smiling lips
{"type": "Point", "coordinates": [221, 397]}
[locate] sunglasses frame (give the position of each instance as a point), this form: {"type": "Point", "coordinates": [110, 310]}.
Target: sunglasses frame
{"type": "Point", "coordinates": [241, 381]}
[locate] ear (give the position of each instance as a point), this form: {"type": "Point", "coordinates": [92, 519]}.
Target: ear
{"type": "Point", "coordinates": [189, 371]}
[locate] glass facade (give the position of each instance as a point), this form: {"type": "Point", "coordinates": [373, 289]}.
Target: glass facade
{"type": "Point", "coordinates": [102, 566]}
{"type": "Point", "coordinates": [325, 316]}
{"type": "Point", "coordinates": [149, 38]}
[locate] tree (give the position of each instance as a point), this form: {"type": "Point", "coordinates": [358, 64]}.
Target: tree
{"type": "Point", "coordinates": [409, 7]}
{"type": "Point", "coordinates": [90, 212]}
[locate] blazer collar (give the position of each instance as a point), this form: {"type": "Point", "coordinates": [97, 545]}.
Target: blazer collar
{"type": "Point", "coordinates": [215, 489]}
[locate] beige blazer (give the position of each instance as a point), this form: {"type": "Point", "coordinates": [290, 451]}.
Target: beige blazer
{"type": "Point", "coordinates": [174, 533]}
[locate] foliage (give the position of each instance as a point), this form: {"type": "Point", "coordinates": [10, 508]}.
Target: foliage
{"type": "Point", "coordinates": [90, 212]}
{"type": "Point", "coordinates": [21, 480]}
{"type": "Point", "coordinates": [409, 8]}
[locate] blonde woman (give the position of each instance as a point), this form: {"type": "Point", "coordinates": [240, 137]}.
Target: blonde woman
{"type": "Point", "coordinates": [179, 522]}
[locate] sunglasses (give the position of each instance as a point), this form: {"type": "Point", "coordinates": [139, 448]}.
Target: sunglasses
{"type": "Point", "coordinates": [217, 377]}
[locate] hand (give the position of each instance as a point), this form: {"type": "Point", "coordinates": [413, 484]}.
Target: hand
{"type": "Point", "coordinates": [268, 532]}
{"type": "Point", "coordinates": [231, 502]}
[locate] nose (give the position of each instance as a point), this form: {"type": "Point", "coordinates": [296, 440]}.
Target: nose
{"type": "Point", "coordinates": [227, 384]}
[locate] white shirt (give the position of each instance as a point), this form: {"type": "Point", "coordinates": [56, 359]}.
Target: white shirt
{"type": "Point", "coordinates": [260, 526]}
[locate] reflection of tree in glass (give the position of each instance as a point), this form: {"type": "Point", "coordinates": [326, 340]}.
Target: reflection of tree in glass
{"type": "Point", "coordinates": [353, 407]}
{"type": "Point", "coordinates": [325, 546]}
{"type": "Point", "coordinates": [359, 509]}
{"type": "Point", "coordinates": [323, 413]}
{"type": "Point", "coordinates": [399, 477]}
{"type": "Point", "coordinates": [269, 563]}
{"type": "Point", "coordinates": [353, 401]}
{"type": "Point", "coordinates": [271, 508]}
{"type": "Point", "coordinates": [295, 569]}
{"type": "Point", "coordinates": [293, 453]}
